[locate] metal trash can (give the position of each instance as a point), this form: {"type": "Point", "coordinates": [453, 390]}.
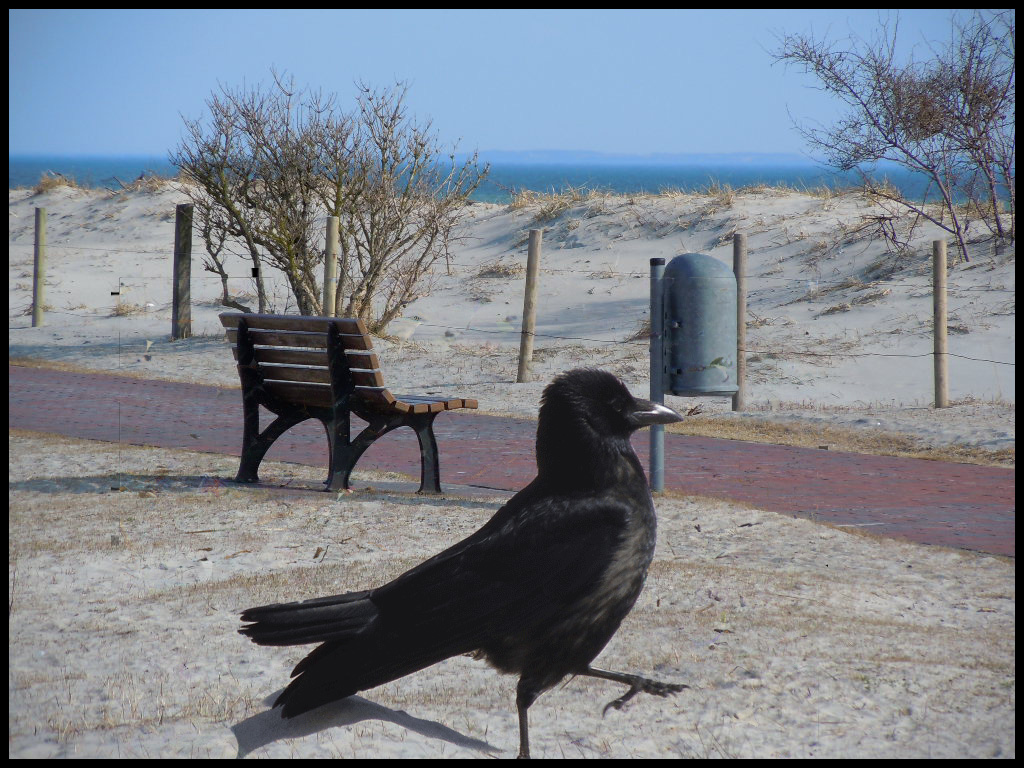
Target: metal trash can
{"type": "Point", "coordinates": [699, 326]}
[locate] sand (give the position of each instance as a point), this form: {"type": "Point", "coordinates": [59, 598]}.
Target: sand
{"type": "Point", "coordinates": [128, 566]}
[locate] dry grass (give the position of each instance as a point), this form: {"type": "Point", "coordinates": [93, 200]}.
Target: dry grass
{"type": "Point", "coordinates": [723, 195]}
{"type": "Point", "coordinates": [147, 182]}
{"type": "Point", "coordinates": [127, 308]}
{"type": "Point", "coordinates": [500, 268]}
{"type": "Point", "coordinates": [50, 180]}
{"type": "Point", "coordinates": [550, 205]}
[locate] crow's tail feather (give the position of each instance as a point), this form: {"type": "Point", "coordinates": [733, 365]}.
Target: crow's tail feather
{"type": "Point", "coordinates": [338, 618]}
{"type": "Point", "coordinates": [355, 654]}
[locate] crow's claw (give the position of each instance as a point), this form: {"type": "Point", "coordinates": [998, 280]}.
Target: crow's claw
{"type": "Point", "coordinates": [643, 685]}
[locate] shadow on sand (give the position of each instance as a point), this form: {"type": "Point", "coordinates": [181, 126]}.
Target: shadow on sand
{"type": "Point", "coordinates": [268, 726]}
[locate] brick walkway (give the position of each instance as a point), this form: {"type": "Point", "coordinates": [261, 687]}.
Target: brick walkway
{"type": "Point", "coordinates": [955, 505]}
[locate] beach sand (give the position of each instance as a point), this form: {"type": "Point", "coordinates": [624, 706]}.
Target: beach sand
{"type": "Point", "coordinates": [128, 566]}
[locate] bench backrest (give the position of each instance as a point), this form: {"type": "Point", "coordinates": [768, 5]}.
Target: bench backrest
{"type": "Point", "coordinates": [291, 353]}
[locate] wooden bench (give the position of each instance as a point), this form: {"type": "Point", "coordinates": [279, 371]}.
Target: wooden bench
{"type": "Point", "coordinates": [324, 368]}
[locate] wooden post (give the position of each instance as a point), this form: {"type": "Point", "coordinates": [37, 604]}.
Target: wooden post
{"type": "Point", "coordinates": [739, 268]}
{"type": "Point", "coordinates": [181, 299]}
{"type": "Point", "coordinates": [39, 270]}
{"type": "Point", "coordinates": [939, 324]}
{"type": "Point", "coordinates": [529, 307]}
{"type": "Point", "coordinates": [331, 268]}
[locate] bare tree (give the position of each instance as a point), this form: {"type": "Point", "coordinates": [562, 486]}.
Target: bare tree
{"type": "Point", "coordinates": [215, 237]}
{"type": "Point", "coordinates": [978, 92]}
{"type": "Point", "coordinates": [399, 202]}
{"type": "Point", "coordinates": [253, 173]}
{"type": "Point", "coordinates": [270, 166]}
{"type": "Point", "coordinates": [949, 118]}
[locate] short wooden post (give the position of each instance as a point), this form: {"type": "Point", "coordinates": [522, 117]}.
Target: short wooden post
{"type": "Point", "coordinates": [181, 299]}
{"type": "Point", "coordinates": [941, 354]}
{"type": "Point", "coordinates": [331, 268]}
{"type": "Point", "coordinates": [39, 270]}
{"type": "Point", "coordinates": [739, 268]}
{"type": "Point", "coordinates": [529, 307]}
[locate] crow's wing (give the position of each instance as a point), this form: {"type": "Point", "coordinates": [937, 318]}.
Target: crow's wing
{"type": "Point", "coordinates": [535, 558]}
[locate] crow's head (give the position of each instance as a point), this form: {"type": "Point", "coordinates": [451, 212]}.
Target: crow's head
{"type": "Point", "coordinates": [588, 411]}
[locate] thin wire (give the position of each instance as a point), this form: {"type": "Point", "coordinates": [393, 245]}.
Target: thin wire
{"type": "Point", "coordinates": [748, 351]}
{"type": "Point", "coordinates": [600, 272]}
{"type": "Point", "coordinates": [607, 273]}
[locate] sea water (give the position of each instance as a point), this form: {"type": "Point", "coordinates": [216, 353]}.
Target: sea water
{"type": "Point", "coordinates": [507, 178]}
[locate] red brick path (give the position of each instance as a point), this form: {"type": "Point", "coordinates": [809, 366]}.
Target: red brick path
{"type": "Point", "coordinates": [955, 505]}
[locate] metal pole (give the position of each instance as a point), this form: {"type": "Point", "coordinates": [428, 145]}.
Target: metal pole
{"type": "Point", "coordinates": [529, 307]}
{"type": "Point", "coordinates": [181, 299]}
{"type": "Point", "coordinates": [939, 305]}
{"type": "Point", "coordinates": [739, 268]}
{"type": "Point", "coordinates": [39, 270]}
{"type": "Point", "coordinates": [657, 470]}
{"type": "Point", "coordinates": [331, 268]}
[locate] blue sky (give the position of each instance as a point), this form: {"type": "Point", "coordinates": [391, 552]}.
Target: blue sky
{"type": "Point", "coordinates": [636, 82]}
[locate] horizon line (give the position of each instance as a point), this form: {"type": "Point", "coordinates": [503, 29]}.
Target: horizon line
{"type": "Point", "coordinates": [510, 152]}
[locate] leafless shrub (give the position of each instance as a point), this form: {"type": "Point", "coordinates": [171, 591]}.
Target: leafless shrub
{"type": "Point", "coordinates": [399, 204]}
{"type": "Point", "coordinates": [272, 164]}
{"type": "Point", "coordinates": [950, 117]}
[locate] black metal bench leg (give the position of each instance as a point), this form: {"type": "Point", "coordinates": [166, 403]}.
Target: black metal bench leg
{"type": "Point", "coordinates": [430, 470]}
{"type": "Point", "coordinates": [344, 455]}
{"type": "Point", "coordinates": [255, 444]}
{"type": "Point", "coordinates": [339, 431]}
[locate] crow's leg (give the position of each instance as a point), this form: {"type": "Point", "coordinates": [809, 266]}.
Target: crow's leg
{"type": "Point", "coordinates": [636, 685]}
{"type": "Point", "coordinates": [526, 693]}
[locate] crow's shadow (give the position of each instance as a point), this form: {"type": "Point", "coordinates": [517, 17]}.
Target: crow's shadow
{"type": "Point", "coordinates": [268, 726]}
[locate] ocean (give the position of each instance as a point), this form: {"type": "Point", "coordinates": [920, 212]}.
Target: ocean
{"type": "Point", "coordinates": [506, 178]}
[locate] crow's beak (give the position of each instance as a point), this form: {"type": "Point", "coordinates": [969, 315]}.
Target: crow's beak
{"type": "Point", "coordinates": [648, 413]}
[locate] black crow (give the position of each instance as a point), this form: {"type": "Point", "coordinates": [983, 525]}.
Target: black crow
{"type": "Point", "coordinates": [538, 591]}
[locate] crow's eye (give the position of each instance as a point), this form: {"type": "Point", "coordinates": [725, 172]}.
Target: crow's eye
{"type": "Point", "coordinates": [622, 404]}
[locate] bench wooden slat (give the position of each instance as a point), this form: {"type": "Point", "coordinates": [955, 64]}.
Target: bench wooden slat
{"type": "Point", "coordinates": [351, 325]}
{"type": "Point", "coordinates": [300, 339]}
{"type": "Point", "coordinates": [319, 375]}
{"type": "Point", "coordinates": [364, 360]}
{"type": "Point", "coordinates": [304, 394]}
{"type": "Point", "coordinates": [291, 356]}
{"type": "Point", "coordinates": [378, 395]}
{"type": "Point", "coordinates": [363, 378]}
{"type": "Point", "coordinates": [360, 376]}
{"type": "Point", "coordinates": [282, 338]}
{"type": "Point", "coordinates": [410, 405]}
{"type": "Point", "coordinates": [443, 405]}
{"type": "Point", "coordinates": [288, 373]}
{"type": "Point", "coordinates": [288, 356]}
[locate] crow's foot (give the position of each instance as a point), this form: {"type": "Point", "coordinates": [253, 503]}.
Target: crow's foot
{"type": "Point", "coordinates": [636, 685]}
